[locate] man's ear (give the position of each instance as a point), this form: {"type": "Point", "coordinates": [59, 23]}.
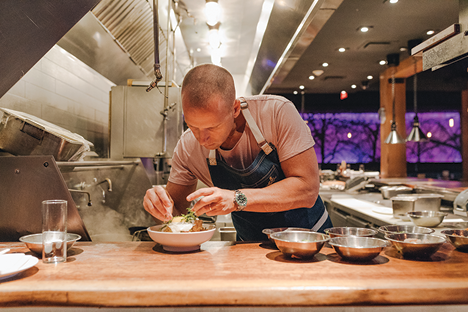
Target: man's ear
{"type": "Point", "coordinates": [237, 108]}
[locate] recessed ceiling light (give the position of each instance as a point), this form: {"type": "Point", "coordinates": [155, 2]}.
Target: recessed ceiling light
{"type": "Point", "coordinates": [393, 1]}
{"type": "Point", "coordinates": [317, 72]}
{"type": "Point", "coordinates": [198, 49]}
{"type": "Point", "coordinates": [383, 62]}
{"type": "Point", "coordinates": [364, 29]}
{"type": "Point", "coordinates": [295, 92]}
{"type": "Point", "coordinates": [370, 77]}
{"type": "Point", "coordinates": [341, 49]}
{"type": "Point", "coordinates": [301, 87]}
{"type": "Point", "coordinates": [325, 64]}
{"type": "Point", "coordinates": [311, 77]}
{"type": "Point", "coordinates": [430, 32]}
{"type": "Point", "coordinates": [403, 49]}
{"type": "Point", "coordinates": [353, 86]}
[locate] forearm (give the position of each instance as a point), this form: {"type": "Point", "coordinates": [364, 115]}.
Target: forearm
{"type": "Point", "coordinates": [287, 194]}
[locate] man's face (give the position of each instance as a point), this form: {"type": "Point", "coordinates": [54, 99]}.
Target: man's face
{"type": "Point", "coordinates": [211, 126]}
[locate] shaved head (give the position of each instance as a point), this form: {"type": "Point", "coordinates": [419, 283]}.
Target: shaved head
{"type": "Point", "coordinates": [206, 82]}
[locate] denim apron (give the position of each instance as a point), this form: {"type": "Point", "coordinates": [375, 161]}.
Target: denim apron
{"type": "Point", "coordinates": [264, 171]}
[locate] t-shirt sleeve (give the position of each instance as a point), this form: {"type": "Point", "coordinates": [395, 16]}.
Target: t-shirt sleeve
{"type": "Point", "coordinates": [180, 171]}
{"type": "Point", "coordinates": [293, 134]}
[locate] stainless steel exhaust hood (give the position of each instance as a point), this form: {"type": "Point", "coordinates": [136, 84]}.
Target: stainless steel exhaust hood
{"type": "Point", "coordinates": [29, 29]}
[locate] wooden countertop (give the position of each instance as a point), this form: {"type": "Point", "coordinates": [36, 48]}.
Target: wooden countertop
{"type": "Point", "coordinates": [245, 274]}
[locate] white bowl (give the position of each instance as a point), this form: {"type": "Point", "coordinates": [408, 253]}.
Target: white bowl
{"type": "Point", "coordinates": [181, 242]}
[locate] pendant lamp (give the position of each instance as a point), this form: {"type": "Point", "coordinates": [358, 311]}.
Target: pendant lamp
{"type": "Point", "coordinates": [416, 133]}
{"type": "Point", "coordinates": [393, 137]}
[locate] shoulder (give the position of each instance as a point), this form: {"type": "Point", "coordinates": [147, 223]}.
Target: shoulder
{"type": "Point", "coordinates": [268, 104]}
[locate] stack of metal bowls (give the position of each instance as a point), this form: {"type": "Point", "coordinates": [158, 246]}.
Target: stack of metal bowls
{"type": "Point", "coordinates": [458, 238]}
{"type": "Point", "coordinates": [414, 245]}
{"type": "Point", "coordinates": [299, 244]}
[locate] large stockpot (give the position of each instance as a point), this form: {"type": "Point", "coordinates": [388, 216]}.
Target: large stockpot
{"type": "Point", "coordinates": [24, 134]}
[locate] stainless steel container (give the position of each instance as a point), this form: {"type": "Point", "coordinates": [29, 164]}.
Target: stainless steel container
{"type": "Point", "coordinates": [24, 134]}
{"type": "Point", "coordinates": [402, 204]}
{"type": "Point", "coordinates": [415, 202]}
{"type": "Point", "coordinates": [394, 190]}
{"type": "Point", "coordinates": [227, 233]}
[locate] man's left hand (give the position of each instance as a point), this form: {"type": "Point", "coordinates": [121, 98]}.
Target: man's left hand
{"type": "Point", "coordinates": [215, 201]}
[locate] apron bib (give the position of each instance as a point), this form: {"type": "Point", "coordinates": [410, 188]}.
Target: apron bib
{"type": "Point", "coordinates": [264, 171]}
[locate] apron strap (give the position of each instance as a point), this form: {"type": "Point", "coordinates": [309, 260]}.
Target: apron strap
{"type": "Point", "coordinates": [321, 221]}
{"type": "Point", "coordinates": [262, 143]}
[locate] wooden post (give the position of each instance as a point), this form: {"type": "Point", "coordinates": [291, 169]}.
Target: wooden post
{"type": "Point", "coordinates": [464, 134]}
{"type": "Point", "coordinates": [393, 156]}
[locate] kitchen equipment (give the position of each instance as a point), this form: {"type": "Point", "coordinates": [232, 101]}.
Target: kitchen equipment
{"type": "Point", "coordinates": [402, 204]}
{"type": "Point", "coordinates": [227, 233]}
{"type": "Point", "coordinates": [350, 231]}
{"type": "Point", "coordinates": [299, 244]}
{"type": "Point", "coordinates": [355, 248]}
{"type": "Point", "coordinates": [181, 242]}
{"type": "Point", "coordinates": [427, 218]}
{"type": "Point", "coordinates": [458, 238]}
{"type": "Point", "coordinates": [390, 191]}
{"type": "Point", "coordinates": [400, 229]}
{"type": "Point", "coordinates": [460, 204]}
{"type": "Point", "coordinates": [415, 245]}
{"type": "Point", "coordinates": [268, 232]}
{"type": "Point", "coordinates": [24, 134]}
{"type": "Point", "coordinates": [34, 241]}
{"type": "Point", "coordinates": [427, 201]}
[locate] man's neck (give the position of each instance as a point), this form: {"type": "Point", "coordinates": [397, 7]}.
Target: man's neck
{"type": "Point", "coordinates": [236, 133]}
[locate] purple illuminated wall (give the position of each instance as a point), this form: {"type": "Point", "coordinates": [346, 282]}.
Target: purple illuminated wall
{"type": "Point", "coordinates": [355, 137]}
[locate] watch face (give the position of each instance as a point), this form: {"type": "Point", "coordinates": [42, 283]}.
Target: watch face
{"type": "Point", "coordinates": [241, 199]}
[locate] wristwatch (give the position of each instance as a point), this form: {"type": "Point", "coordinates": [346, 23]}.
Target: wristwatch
{"type": "Point", "coordinates": [240, 200]}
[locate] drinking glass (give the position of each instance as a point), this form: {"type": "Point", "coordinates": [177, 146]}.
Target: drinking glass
{"type": "Point", "coordinates": [54, 231]}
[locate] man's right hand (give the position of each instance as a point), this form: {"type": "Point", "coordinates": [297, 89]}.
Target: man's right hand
{"type": "Point", "coordinates": [159, 203]}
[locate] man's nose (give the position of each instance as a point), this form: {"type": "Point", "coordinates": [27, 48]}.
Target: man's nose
{"type": "Point", "coordinates": [204, 136]}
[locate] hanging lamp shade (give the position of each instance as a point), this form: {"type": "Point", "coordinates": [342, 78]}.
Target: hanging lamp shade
{"type": "Point", "coordinates": [393, 137]}
{"type": "Point", "coordinates": [416, 134]}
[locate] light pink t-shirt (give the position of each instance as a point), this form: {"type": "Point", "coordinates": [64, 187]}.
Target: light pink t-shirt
{"type": "Point", "coordinates": [278, 121]}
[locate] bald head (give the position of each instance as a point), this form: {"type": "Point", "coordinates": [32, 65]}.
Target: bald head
{"type": "Point", "coordinates": [205, 82]}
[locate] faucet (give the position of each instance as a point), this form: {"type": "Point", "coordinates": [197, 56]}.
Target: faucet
{"type": "Point", "coordinates": [109, 183]}
{"type": "Point", "coordinates": [83, 192]}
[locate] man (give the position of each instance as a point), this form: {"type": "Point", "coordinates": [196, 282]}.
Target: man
{"type": "Point", "coordinates": [255, 154]}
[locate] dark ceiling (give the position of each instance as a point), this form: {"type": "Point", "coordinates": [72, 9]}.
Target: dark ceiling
{"type": "Point", "coordinates": [392, 26]}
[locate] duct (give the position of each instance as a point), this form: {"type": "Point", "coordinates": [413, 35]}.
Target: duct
{"type": "Point", "coordinates": [448, 46]}
{"type": "Point", "coordinates": [30, 29]}
{"type": "Point", "coordinates": [290, 31]}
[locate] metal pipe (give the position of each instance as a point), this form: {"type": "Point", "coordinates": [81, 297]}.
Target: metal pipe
{"type": "Point", "coordinates": [109, 184]}
{"type": "Point", "coordinates": [83, 192]}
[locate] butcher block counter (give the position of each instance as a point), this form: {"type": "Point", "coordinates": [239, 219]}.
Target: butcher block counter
{"type": "Point", "coordinates": [226, 274]}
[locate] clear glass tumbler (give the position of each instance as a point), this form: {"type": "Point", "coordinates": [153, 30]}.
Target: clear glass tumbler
{"type": "Point", "coordinates": [54, 231]}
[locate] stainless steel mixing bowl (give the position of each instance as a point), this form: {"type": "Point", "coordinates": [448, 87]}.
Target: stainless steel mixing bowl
{"type": "Point", "coordinates": [458, 238]}
{"type": "Point", "coordinates": [355, 248]}
{"type": "Point", "coordinates": [427, 218]}
{"type": "Point", "coordinates": [34, 241]}
{"type": "Point", "coordinates": [300, 244]}
{"type": "Point", "coordinates": [399, 229]}
{"type": "Point", "coordinates": [268, 232]}
{"type": "Point", "coordinates": [414, 245]}
{"type": "Point", "coordinates": [350, 231]}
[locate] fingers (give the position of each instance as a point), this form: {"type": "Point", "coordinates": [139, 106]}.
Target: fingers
{"type": "Point", "coordinates": [158, 203]}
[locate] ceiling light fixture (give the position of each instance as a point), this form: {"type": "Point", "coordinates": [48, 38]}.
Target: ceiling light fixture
{"type": "Point", "coordinates": [341, 49]}
{"type": "Point", "coordinates": [393, 1]}
{"type": "Point", "coordinates": [370, 77]}
{"type": "Point", "coordinates": [212, 12]}
{"type": "Point", "coordinates": [325, 64]}
{"type": "Point", "coordinates": [416, 133]}
{"type": "Point", "coordinates": [301, 87]}
{"type": "Point", "coordinates": [294, 92]}
{"type": "Point", "coordinates": [364, 29]}
{"type": "Point", "coordinates": [311, 77]}
{"type": "Point", "coordinates": [430, 32]}
{"type": "Point", "coordinates": [317, 72]}
{"type": "Point", "coordinates": [383, 62]}
{"type": "Point", "coordinates": [353, 86]}
{"type": "Point", "coordinates": [393, 137]}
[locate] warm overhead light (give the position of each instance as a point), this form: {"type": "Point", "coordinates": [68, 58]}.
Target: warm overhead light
{"type": "Point", "coordinates": [370, 77]}
{"type": "Point", "coordinates": [198, 49]}
{"type": "Point", "coordinates": [301, 87]}
{"type": "Point", "coordinates": [324, 64]}
{"type": "Point", "coordinates": [212, 12]}
{"type": "Point", "coordinates": [403, 49]}
{"type": "Point", "coordinates": [429, 134]}
{"type": "Point", "coordinates": [341, 49]}
{"type": "Point", "coordinates": [430, 32]}
{"type": "Point", "coordinates": [213, 38]}
{"type": "Point", "coordinates": [416, 134]}
{"type": "Point", "coordinates": [364, 29]}
{"type": "Point", "coordinates": [216, 57]}
{"type": "Point", "coordinates": [353, 86]}
{"type": "Point", "coordinates": [383, 62]}
{"type": "Point", "coordinates": [393, 1]}
{"type": "Point", "coordinates": [451, 123]}
{"type": "Point", "coordinates": [294, 92]}
{"type": "Point", "coordinates": [317, 72]}
{"type": "Point", "coordinates": [393, 137]}
{"type": "Point", "coordinates": [349, 135]}
{"type": "Point", "coordinates": [311, 77]}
